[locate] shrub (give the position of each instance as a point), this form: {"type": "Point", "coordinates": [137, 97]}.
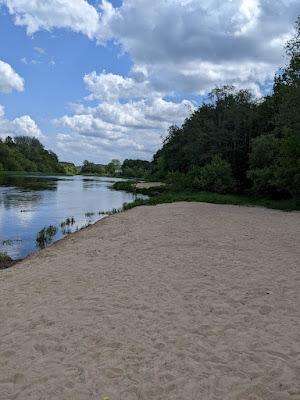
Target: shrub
{"type": "Point", "coordinates": [179, 181]}
{"type": "Point", "coordinates": [214, 177]}
{"type": "Point", "coordinates": [275, 165]}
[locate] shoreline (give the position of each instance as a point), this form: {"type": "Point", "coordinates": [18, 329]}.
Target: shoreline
{"type": "Point", "coordinates": [129, 206]}
{"type": "Point", "coordinates": [181, 300]}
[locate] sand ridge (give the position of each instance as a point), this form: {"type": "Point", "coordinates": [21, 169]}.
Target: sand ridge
{"type": "Point", "coordinates": [179, 301]}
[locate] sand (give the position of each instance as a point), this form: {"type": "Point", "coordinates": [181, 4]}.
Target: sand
{"type": "Point", "coordinates": [182, 301]}
{"type": "Point", "coordinates": [149, 185]}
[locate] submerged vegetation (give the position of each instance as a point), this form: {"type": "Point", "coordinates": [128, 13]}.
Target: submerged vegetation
{"type": "Point", "coordinates": [45, 236]}
{"type": "Point", "coordinates": [89, 214]}
{"type": "Point", "coordinates": [4, 257]}
{"type": "Point", "coordinates": [5, 260]}
{"type": "Point", "coordinates": [67, 222]}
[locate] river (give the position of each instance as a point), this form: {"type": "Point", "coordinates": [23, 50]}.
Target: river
{"type": "Point", "coordinates": [28, 203]}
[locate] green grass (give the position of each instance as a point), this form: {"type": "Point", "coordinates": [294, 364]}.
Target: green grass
{"type": "Point", "coordinates": [165, 195]}
{"type": "Point", "coordinates": [127, 186]}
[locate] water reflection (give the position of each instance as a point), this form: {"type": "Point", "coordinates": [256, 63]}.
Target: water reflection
{"type": "Point", "coordinates": [18, 199]}
{"type": "Point", "coordinates": [29, 182]}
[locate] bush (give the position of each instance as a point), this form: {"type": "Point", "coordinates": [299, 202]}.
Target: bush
{"type": "Point", "coordinates": [215, 177]}
{"type": "Point", "coordinates": [275, 165]}
{"type": "Point", "coordinates": [179, 181]}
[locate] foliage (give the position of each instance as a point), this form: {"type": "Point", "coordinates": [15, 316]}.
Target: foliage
{"type": "Point", "coordinates": [215, 198]}
{"type": "Point", "coordinates": [45, 236]}
{"type": "Point", "coordinates": [67, 222]}
{"type": "Point", "coordinates": [215, 176]}
{"type": "Point", "coordinates": [91, 168]}
{"type": "Point", "coordinates": [27, 154]}
{"type": "Point", "coordinates": [136, 169]}
{"type": "Point", "coordinates": [130, 186]}
{"type": "Point", "coordinates": [129, 169]}
{"type": "Point", "coordinates": [111, 169]}
{"type": "Point", "coordinates": [234, 143]}
{"type": "Point", "coordinates": [68, 168]}
{"type": "Point", "coordinates": [127, 186]}
{"type": "Point", "coordinates": [275, 165]}
{"type": "Point", "coordinates": [4, 257]}
{"type": "Point", "coordinates": [222, 128]}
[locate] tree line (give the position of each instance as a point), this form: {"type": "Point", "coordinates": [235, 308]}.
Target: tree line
{"type": "Point", "coordinates": [235, 143]}
{"type": "Point", "coordinates": [27, 154]}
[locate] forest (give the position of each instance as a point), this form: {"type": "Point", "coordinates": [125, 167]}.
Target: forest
{"type": "Point", "coordinates": [27, 154]}
{"type": "Point", "coordinates": [235, 143]}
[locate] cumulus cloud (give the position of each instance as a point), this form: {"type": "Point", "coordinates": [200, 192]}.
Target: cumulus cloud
{"type": "Point", "coordinates": [77, 15]}
{"type": "Point", "coordinates": [20, 126]}
{"type": "Point", "coordinates": [183, 46]}
{"type": "Point", "coordinates": [133, 128]}
{"type": "Point", "coordinates": [188, 46]}
{"type": "Point", "coordinates": [9, 79]}
{"type": "Point", "coordinates": [110, 87]}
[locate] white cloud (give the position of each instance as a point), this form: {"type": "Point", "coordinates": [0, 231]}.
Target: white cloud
{"type": "Point", "coordinates": [131, 129]}
{"type": "Point", "coordinates": [40, 50]}
{"type": "Point", "coordinates": [77, 15]}
{"type": "Point", "coordinates": [176, 45]}
{"type": "Point", "coordinates": [189, 46]}
{"type": "Point", "coordinates": [9, 79]}
{"type": "Point", "coordinates": [110, 87]}
{"type": "Point", "coordinates": [20, 126]}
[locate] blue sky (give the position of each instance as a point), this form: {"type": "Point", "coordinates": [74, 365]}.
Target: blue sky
{"type": "Point", "coordinates": [104, 80]}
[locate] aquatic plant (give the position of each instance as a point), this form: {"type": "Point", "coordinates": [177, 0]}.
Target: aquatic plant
{"type": "Point", "coordinates": [89, 214]}
{"type": "Point", "coordinates": [45, 236]}
{"type": "Point", "coordinates": [114, 211]}
{"type": "Point", "coordinates": [10, 242]}
{"type": "Point", "coordinates": [4, 257]}
{"type": "Point", "coordinates": [69, 221]}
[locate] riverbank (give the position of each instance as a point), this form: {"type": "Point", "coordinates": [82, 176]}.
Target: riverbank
{"type": "Point", "coordinates": [185, 300]}
{"type": "Point", "coordinates": [161, 193]}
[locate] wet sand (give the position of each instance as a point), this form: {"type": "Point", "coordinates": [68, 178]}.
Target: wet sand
{"type": "Point", "coordinates": [181, 301]}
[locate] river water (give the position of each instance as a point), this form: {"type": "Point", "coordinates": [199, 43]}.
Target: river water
{"type": "Point", "coordinates": [29, 203]}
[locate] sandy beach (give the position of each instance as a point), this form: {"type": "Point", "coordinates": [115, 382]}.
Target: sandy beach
{"type": "Point", "coordinates": [181, 301]}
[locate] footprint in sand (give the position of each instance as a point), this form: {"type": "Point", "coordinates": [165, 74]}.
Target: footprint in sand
{"type": "Point", "coordinates": [264, 310]}
{"type": "Point", "coordinates": [112, 373]}
{"type": "Point", "coordinates": [40, 348]}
